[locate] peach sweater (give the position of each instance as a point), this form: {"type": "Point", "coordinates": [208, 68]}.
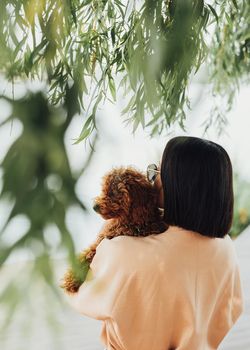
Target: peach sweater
{"type": "Point", "coordinates": [175, 290]}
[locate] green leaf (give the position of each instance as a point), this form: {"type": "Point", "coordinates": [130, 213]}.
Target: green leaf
{"type": "Point", "coordinates": [84, 134]}
{"type": "Point", "coordinates": [112, 32]}
{"type": "Point", "coordinates": [130, 105]}
{"type": "Point", "coordinates": [112, 87]}
{"type": "Point", "coordinates": [136, 124]}
{"type": "Point", "coordinates": [214, 13]}
{"type": "Point", "coordinates": [86, 130]}
{"type": "Point", "coordinates": [19, 46]}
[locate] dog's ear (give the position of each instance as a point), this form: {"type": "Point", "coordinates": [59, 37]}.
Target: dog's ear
{"type": "Point", "coordinates": [137, 195]}
{"type": "Point", "coordinates": [143, 201]}
{"type": "Point", "coordinates": [116, 180]}
{"type": "Point", "coordinates": [118, 195]}
{"type": "Point", "coordinates": [122, 192]}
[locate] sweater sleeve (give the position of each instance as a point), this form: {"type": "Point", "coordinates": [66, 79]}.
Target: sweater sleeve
{"type": "Point", "coordinates": [237, 296]}
{"type": "Point", "coordinates": [228, 310]}
{"type": "Point", "coordinates": [97, 295]}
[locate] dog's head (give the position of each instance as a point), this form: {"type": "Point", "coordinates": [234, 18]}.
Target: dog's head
{"type": "Point", "coordinates": [125, 192]}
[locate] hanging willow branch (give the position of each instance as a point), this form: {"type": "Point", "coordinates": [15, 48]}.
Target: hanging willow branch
{"type": "Point", "coordinates": [151, 48]}
{"type": "Point", "coordinates": [229, 57]}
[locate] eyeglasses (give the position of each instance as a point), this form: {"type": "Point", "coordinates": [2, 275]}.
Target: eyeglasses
{"type": "Point", "coordinates": [152, 172]}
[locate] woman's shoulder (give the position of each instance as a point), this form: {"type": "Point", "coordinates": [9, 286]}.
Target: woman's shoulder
{"type": "Point", "coordinates": [118, 247]}
{"type": "Point", "coordinates": [173, 244]}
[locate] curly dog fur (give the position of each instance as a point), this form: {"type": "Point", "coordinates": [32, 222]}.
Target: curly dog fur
{"type": "Point", "coordinates": [129, 202]}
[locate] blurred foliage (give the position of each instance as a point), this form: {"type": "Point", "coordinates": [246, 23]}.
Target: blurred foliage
{"type": "Point", "coordinates": [241, 218]}
{"type": "Point", "coordinates": [38, 181]}
{"type": "Point", "coordinates": [36, 174]}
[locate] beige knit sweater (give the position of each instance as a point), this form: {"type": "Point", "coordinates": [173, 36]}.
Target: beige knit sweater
{"type": "Point", "coordinates": [175, 290]}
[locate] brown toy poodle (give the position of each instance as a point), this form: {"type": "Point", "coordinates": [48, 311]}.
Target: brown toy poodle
{"type": "Point", "coordinates": [129, 202]}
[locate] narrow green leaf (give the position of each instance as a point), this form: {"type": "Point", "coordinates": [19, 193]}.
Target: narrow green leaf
{"type": "Point", "coordinates": [112, 87]}
{"type": "Point", "coordinates": [214, 12]}
{"type": "Point", "coordinates": [129, 105]}
{"type": "Point", "coordinates": [86, 130]}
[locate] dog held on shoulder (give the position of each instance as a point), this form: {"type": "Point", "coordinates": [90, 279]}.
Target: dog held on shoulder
{"type": "Point", "coordinates": [130, 204]}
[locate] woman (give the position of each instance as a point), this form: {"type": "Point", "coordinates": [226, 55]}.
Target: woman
{"type": "Point", "coordinates": [180, 289]}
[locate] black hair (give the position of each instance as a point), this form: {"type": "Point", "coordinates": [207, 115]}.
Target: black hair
{"type": "Point", "coordinates": [196, 176]}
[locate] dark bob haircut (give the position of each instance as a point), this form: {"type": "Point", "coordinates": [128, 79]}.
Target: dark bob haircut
{"type": "Point", "coordinates": [197, 183]}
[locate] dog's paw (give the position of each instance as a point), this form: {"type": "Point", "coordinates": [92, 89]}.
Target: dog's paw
{"type": "Point", "coordinates": [70, 283]}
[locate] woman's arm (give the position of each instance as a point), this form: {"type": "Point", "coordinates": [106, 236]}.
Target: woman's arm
{"type": "Point", "coordinates": [228, 310]}
{"type": "Point", "coordinates": [97, 295]}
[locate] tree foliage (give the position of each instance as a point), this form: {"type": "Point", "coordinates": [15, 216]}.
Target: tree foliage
{"type": "Point", "coordinates": [229, 56]}
{"type": "Point", "coordinates": [150, 47]}
{"type": "Point", "coordinates": [36, 174]}
{"type": "Point", "coordinates": [85, 52]}
{"type": "Point", "coordinates": [40, 186]}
